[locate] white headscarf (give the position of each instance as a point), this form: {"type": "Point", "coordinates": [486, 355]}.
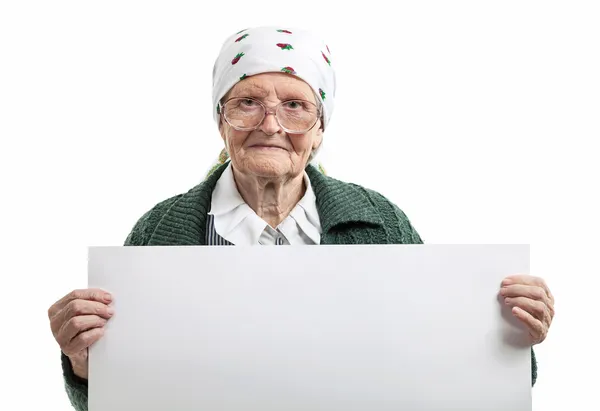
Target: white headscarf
{"type": "Point", "coordinates": [275, 49]}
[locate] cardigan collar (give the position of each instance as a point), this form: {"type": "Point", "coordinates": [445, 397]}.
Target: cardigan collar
{"type": "Point", "coordinates": [338, 203]}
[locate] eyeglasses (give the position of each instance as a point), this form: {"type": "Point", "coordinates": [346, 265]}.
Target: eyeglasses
{"type": "Point", "coordinates": [293, 116]}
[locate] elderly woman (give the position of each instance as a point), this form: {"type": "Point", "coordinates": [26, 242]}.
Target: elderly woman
{"type": "Point", "coordinates": [273, 94]}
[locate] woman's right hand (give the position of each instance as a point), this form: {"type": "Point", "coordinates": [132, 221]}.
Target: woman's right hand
{"type": "Point", "coordinates": [77, 321]}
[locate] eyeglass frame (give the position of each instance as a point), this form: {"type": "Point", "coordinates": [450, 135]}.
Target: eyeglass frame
{"type": "Point", "coordinates": [266, 112]}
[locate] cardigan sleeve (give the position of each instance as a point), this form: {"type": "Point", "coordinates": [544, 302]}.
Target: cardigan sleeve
{"type": "Point", "coordinates": [409, 233]}
{"type": "Point", "coordinates": [76, 387]}
{"type": "Point", "coordinates": [144, 227]}
{"type": "Point", "coordinates": [533, 367]}
{"type": "Point", "coordinates": [140, 233]}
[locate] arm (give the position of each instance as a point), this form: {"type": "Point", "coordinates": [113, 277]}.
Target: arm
{"type": "Point", "coordinates": [411, 236]}
{"type": "Point", "coordinates": [533, 368]}
{"type": "Point", "coordinates": [77, 387]}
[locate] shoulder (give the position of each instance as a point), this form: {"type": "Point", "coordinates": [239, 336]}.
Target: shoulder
{"type": "Point", "coordinates": [359, 203]}
{"type": "Point", "coordinates": [145, 225]}
{"type": "Point", "coordinates": [392, 215]}
{"type": "Point", "coordinates": [376, 199]}
{"type": "Point", "coordinates": [184, 206]}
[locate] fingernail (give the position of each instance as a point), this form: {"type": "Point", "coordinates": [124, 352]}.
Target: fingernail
{"type": "Point", "coordinates": [506, 301]}
{"type": "Point", "coordinates": [507, 281]}
{"type": "Point", "coordinates": [107, 297]}
{"type": "Point", "coordinates": [110, 310]}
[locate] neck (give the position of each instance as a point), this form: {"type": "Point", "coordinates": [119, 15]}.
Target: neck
{"type": "Point", "coordinates": [271, 199]}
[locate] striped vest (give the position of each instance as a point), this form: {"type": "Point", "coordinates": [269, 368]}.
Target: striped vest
{"type": "Point", "coordinates": [213, 238]}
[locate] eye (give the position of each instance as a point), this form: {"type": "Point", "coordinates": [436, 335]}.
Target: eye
{"type": "Point", "coordinates": [248, 102]}
{"type": "Point", "coordinates": [293, 105]}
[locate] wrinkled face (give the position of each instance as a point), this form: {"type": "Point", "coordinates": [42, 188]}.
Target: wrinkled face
{"type": "Point", "coordinates": [269, 151]}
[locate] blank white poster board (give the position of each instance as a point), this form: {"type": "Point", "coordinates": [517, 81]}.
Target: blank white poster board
{"type": "Point", "coordinates": [348, 328]}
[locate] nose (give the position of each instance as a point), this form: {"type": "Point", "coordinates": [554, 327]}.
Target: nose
{"type": "Point", "coordinates": [270, 125]}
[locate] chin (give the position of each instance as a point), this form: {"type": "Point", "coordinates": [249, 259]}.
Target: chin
{"type": "Point", "coordinates": [267, 167]}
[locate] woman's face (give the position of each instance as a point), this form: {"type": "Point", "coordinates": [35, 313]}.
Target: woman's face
{"type": "Point", "coordinates": [269, 151]}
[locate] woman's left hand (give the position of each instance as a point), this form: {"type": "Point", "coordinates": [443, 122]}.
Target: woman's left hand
{"type": "Point", "coordinates": [531, 302]}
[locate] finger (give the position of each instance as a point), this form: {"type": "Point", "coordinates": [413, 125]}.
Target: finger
{"type": "Point", "coordinates": [535, 326]}
{"type": "Point", "coordinates": [536, 308]}
{"type": "Point", "coordinates": [529, 291]}
{"type": "Point", "coordinates": [83, 341]}
{"type": "Point", "coordinates": [527, 280]}
{"type": "Point", "coordinates": [76, 326]}
{"type": "Point", "coordinates": [91, 294]}
{"type": "Point", "coordinates": [551, 307]}
{"type": "Point", "coordinates": [77, 308]}
{"type": "Point", "coordinates": [551, 297]}
{"type": "Point", "coordinates": [85, 307]}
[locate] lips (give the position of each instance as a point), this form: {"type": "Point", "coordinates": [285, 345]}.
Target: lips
{"type": "Point", "coordinates": [266, 146]}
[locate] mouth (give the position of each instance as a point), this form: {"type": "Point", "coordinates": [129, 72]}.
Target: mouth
{"type": "Point", "coordinates": [266, 147]}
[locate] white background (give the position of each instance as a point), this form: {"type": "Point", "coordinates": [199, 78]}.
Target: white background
{"type": "Point", "coordinates": [479, 119]}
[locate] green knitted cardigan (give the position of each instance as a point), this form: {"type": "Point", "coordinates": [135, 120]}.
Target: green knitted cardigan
{"type": "Point", "coordinates": [349, 213]}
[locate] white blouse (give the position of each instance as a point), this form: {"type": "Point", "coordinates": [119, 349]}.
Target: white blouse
{"type": "Point", "coordinates": [237, 223]}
